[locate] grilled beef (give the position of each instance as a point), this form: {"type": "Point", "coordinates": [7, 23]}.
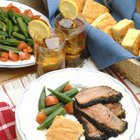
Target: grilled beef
{"type": "Point", "coordinates": [117, 109]}
{"type": "Point", "coordinates": [103, 119]}
{"type": "Point", "coordinates": [91, 132]}
{"type": "Point", "coordinates": [99, 94]}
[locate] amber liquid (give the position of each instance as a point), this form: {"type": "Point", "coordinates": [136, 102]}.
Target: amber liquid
{"type": "Point", "coordinates": [75, 44]}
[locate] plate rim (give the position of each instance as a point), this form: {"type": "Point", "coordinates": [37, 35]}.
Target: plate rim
{"type": "Point", "coordinates": [78, 69]}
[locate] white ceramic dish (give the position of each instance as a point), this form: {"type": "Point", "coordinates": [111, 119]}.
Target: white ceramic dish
{"type": "Point", "coordinates": [31, 61]}
{"type": "Point", "coordinates": [27, 109]}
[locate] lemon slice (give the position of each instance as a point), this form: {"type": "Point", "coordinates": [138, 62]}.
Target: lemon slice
{"type": "Point", "coordinates": [38, 29]}
{"type": "Point", "coordinates": [68, 8]}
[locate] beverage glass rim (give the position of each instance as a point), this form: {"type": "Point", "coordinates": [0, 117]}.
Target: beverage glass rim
{"type": "Point", "coordinates": [53, 33]}
{"type": "Point", "coordinates": [78, 17]}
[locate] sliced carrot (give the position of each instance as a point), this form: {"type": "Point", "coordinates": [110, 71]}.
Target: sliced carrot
{"type": "Point", "coordinates": [41, 116]}
{"type": "Point", "coordinates": [29, 13]}
{"type": "Point", "coordinates": [69, 108]}
{"type": "Point", "coordinates": [13, 56]}
{"type": "Point", "coordinates": [67, 87]}
{"type": "Point", "coordinates": [51, 100]}
{"type": "Point", "coordinates": [14, 8]}
{"type": "Point", "coordinates": [22, 46]}
{"type": "Point", "coordinates": [29, 49]}
{"type": "Point", "coordinates": [36, 17]}
{"type": "Point", "coordinates": [24, 56]}
{"type": "Point", "coordinates": [4, 56]}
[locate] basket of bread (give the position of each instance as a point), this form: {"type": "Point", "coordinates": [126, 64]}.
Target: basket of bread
{"type": "Point", "coordinates": [122, 31]}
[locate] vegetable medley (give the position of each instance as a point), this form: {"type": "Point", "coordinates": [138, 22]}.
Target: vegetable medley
{"type": "Point", "coordinates": [15, 41]}
{"type": "Point", "coordinates": [58, 102]}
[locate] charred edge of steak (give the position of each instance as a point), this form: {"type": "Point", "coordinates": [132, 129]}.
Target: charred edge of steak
{"type": "Point", "coordinates": [112, 99]}
{"type": "Point", "coordinates": [117, 109]}
{"type": "Point", "coordinates": [110, 132]}
{"type": "Point", "coordinates": [102, 135]}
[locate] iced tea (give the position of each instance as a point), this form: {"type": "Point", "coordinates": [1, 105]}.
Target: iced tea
{"type": "Point", "coordinates": [75, 39]}
{"type": "Point", "coordinates": [49, 53]}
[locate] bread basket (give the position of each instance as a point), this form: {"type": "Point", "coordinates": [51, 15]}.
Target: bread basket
{"type": "Point", "coordinates": [130, 68]}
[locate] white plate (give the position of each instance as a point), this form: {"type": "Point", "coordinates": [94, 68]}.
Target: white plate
{"type": "Point", "coordinates": [31, 61]}
{"type": "Point", "coordinates": [27, 109]}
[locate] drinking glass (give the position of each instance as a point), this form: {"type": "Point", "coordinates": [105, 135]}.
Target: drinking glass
{"type": "Point", "coordinates": [75, 39]}
{"type": "Point", "coordinates": [49, 52]}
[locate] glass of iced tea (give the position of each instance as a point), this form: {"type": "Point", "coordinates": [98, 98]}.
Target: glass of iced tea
{"type": "Point", "coordinates": [75, 39]}
{"type": "Point", "coordinates": [49, 52]}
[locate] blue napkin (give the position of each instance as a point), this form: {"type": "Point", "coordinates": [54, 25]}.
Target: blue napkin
{"type": "Point", "coordinates": [102, 48]}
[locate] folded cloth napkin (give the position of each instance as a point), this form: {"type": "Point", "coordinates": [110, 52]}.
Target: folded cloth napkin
{"type": "Point", "coordinates": [7, 122]}
{"type": "Point", "coordinates": [102, 48]}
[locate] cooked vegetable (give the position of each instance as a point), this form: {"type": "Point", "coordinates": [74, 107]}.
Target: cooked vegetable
{"type": "Point", "coordinates": [64, 98]}
{"type": "Point", "coordinates": [2, 37]}
{"type": "Point", "coordinates": [69, 108]}
{"type": "Point", "coordinates": [40, 118]}
{"type": "Point", "coordinates": [9, 28]}
{"type": "Point", "coordinates": [8, 48]}
{"type": "Point", "coordinates": [4, 56]}
{"type": "Point", "coordinates": [23, 27]}
{"type": "Point", "coordinates": [67, 87]}
{"type": "Point", "coordinates": [71, 93]}
{"type": "Point", "coordinates": [51, 109]}
{"type": "Point", "coordinates": [4, 33]}
{"type": "Point", "coordinates": [10, 41]}
{"type": "Point", "coordinates": [61, 87]}
{"type": "Point", "coordinates": [41, 103]}
{"type": "Point", "coordinates": [13, 56]}
{"type": "Point", "coordinates": [18, 36]}
{"type": "Point", "coordinates": [51, 100]}
{"type": "Point", "coordinates": [48, 121]}
{"type": "Point", "coordinates": [12, 16]}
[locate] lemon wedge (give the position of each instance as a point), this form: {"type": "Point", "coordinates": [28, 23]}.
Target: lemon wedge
{"type": "Point", "coordinates": [68, 8]}
{"type": "Point", "coordinates": [38, 29]}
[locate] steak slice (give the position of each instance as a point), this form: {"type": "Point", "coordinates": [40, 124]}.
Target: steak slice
{"type": "Point", "coordinates": [103, 119]}
{"type": "Point", "coordinates": [91, 132]}
{"type": "Point", "coordinates": [117, 109]}
{"type": "Point", "coordinates": [98, 94]}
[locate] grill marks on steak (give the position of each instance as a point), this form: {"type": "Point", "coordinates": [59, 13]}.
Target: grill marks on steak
{"type": "Point", "coordinates": [94, 95]}
{"type": "Point", "coordinates": [117, 109]}
{"type": "Point", "coordinates": [91, 132]}
{"type": "Point", "coordinates": [103, 119]}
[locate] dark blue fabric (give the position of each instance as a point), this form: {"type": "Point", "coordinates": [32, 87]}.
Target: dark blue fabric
{"type": "Point", "coordinates": [102, 48]}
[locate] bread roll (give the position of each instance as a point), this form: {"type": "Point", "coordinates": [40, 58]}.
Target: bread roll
{"type": "Point", "coordinates": [131, 41]}
{"type": "Point", "coordinates": [104, 22]}
{"type": "Point", "coordinates": [120, 29]}
{"type": "Point", "coordinates": [93, 9]}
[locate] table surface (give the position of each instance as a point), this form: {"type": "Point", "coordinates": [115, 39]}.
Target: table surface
{"type": "Point", "coordinates": [7, 74]}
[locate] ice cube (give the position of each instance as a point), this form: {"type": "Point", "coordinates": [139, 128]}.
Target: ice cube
{"type": "Point", "coordinates": [66, 23]}
{"type": "Point", "coordinates": [53, 42]}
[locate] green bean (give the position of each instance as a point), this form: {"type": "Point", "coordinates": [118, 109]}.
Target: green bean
{"type": "Point", "coordinates": [22, 26]}
{"type": "Point", "coordinates": [50, 118]}
{"type": "Point", "coordinates": [16, 28]}
{"type": "Point", "coordinates": [51, 109]}
{"type": "Point", "coordinates": [8, 48]}
{"type": "Point", "coordinates": [3, 15]}
{"type": "Point", "coordinates": [64, 98]}
{"type": "Point", "coordinates": [2, 37]}
{"type": "Point", "coordinates": [10, 41]}
{"type": "Point", "coordinates": [12, 16]}
{"type": "Point", "coordinates": [61, 87]}
{"type": "Point", "coordinates": [18, 36]}
{"type": "Point", "coordinates": [72, 92]}
{"type": "Point", "coordinates": [9, 27]}
{"type": "Point", "coordinates": [3, 33]}
{"type": "Point", "coordinates": [41, 103]}
{"type": "Point", "coordinates": [29, 41]}
{"type": "Point", "coordinates": [25, 18]}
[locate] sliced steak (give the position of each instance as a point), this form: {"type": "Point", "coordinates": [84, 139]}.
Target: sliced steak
{"type": "Point", "coordinates": [103, 119]}
{"type": "Point", "coordinates": [117, 109]}
{"type": "Point", "coordinates": [99, 94]}
{"type": "Point", "coordinates": [91, 132]}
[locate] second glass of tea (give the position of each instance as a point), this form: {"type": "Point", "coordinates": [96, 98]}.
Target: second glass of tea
{"type": "Point", "coordinates": [75, 39]}
{"type": "Point", "coordinates": [49, 52]}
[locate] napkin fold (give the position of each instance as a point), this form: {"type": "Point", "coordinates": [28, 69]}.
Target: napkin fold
{"type": "Point", "coordinates": [7, 122]}
{"type": "Point", "coordinates": [102, 48]}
